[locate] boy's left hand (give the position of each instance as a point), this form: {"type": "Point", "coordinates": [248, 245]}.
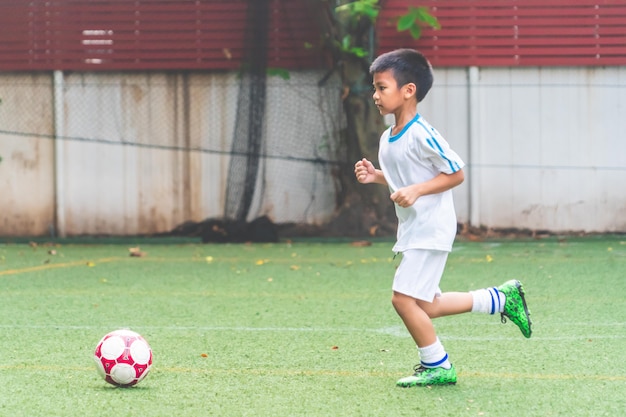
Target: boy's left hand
{"type": "Point", "coordinates": [406, 196]}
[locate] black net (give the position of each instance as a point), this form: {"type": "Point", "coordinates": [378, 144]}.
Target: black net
{"type": "Point", "coordinates": [250, 115]}
{"type": "Point", "coordinates": [178, 148]}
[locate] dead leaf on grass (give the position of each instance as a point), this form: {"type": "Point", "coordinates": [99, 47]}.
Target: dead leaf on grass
{"type": "Point", "coordinates": [136, 252]}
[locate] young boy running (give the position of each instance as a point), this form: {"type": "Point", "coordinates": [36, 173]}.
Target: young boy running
{"type": "Point", "coordinates": [420, 169]}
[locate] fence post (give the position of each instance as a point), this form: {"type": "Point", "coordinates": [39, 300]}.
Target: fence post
{"type": "Point", "coordinates": [59, 155]}
{"type": "Point", "coordinates": [473, 109]}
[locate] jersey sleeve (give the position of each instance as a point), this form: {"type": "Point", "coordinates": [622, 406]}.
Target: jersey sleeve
{"type": "Point", "coordinates": [438, 152]}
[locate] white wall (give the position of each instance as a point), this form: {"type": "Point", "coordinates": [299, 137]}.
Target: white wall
{"type": "Point", "coordinates": [545, 148]}
{"type": "Point", "coordinates": [27, 166]}
{"type": "Point", "coordinates": [119, 167]}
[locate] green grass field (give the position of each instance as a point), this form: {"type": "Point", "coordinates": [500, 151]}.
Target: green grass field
{"type": "Point", "coordinates": [307, 329]}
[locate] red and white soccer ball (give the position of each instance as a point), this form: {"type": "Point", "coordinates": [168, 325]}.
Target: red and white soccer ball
{"type": "Point", "coordinates": [123, 358]}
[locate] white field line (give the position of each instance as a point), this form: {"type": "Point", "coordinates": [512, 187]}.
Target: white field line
{"type": "Point", "coordinates": [396, 331]}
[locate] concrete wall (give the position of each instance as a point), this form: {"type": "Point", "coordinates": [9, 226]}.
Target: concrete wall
{"type": "Point", "coordinates": [27, 198]}
{"type": "Point", "coordinates": [545, 148]}
{"type": "Point", "coordinates": [119, 163]}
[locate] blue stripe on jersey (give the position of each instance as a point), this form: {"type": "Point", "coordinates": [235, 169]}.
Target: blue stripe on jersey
{"type": "Point", "coordinates": [432, 141]}
{"type": "Point", "coordinates": [393, 138]}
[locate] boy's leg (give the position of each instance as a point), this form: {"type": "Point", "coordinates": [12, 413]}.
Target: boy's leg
{"type": "Point", "coordinates": [448, 304]}
{"type": "Point", "coordinates": [415, 319]}
{"type": "Point", "coordinates": [508, 300]}
{"type": "Point", "coordinates": [417, 278]}
{"type": "Point", "coordinates": [434, 368]}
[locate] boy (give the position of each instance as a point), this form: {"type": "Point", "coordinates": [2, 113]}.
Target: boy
{"type": "Point", "coordinates": [420, 169]}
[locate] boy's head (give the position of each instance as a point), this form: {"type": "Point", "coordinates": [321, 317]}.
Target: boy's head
{"type": "Point", "coordinates": [407, 66]}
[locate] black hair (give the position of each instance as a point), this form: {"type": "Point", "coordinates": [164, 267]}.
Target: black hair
{"type": "Point", "coordinates": [407, 66]}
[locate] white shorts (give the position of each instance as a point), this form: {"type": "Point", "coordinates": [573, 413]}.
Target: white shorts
{"type": "Point", "coordinates": [419, 273]}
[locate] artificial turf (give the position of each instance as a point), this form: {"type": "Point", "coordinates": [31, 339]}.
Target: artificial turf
{"type": "Point", "coordinates": [307, 329]}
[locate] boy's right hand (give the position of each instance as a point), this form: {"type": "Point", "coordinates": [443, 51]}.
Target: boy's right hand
{"type": "Point", "coordinates": [365, 171]}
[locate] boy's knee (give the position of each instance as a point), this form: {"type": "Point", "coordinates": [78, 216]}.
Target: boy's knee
{"type": "Point", "coordinates": [399, 301]}
{"type": "Point", "coordinates": [395, 299]}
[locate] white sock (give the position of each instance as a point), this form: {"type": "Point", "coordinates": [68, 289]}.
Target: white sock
{"type": "Point", "coordinates": [434, 356]}
{"type": "Point", "coordinates": [488, 300]}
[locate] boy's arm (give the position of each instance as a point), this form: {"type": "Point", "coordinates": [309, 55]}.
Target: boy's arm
{"type": "Point", "coordinates": [407, 196]}
{"type": "Point", "coordinates": [366, 173]}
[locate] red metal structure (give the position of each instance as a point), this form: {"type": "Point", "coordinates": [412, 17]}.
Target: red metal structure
{"type": "Point", "coordinates": [43, 35]}
{"type": "Point", "coordinates": [514, 32]}
{"type": "Point", "coordinates": [148, 35]}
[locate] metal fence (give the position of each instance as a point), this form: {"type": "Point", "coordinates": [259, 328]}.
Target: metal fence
{"type": "Point", "coordinates": [144, 152]}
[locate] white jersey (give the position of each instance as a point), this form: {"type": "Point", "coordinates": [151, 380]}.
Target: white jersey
{"type": "Point", "coordinates": [417, 154]}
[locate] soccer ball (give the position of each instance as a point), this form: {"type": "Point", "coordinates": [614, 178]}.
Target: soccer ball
{"type": "Point", "coordinates": [123, 358]}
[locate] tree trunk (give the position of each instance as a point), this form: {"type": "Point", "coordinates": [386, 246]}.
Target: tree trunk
{"type": "Point", "coordinates": [364, 209]}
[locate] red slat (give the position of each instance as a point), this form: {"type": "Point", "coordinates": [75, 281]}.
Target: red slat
{"type": "Point", "coordinates": [192, 34]}
{"type": "Point", "coordinates": [515, 32]}
{"type": "Point", "coordinates": [52, 34]}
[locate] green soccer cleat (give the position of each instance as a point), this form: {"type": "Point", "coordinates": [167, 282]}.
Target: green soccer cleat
{"type": "Point", "coordinates": [429, 376]}
{"type": "Point", "coordinates": [515, 307]}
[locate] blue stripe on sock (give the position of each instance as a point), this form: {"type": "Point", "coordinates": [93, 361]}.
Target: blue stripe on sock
{"type": "Point", "coordinates": [434, 364]}
{"type": "Point", "coordinates": [493, 302]}
{"type": "Point", "coordinates": [497, 293]}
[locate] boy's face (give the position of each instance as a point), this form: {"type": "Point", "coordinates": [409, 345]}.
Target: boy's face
{"type": "Point", "coordinates": [388, 96]}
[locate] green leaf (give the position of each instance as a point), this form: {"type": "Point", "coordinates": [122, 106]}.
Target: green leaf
{"type": "Point", "coordinates": [416, 31]}
{"type": "Point", "coordinates": [279, 72]}
{"type": "Point", "coordinates": [372, 14]}
{"type": "Point", "coordinates": [344, 8]}
{"type": "Point", "coordinates": [359, 52]}
{"type": "Point", "coordinates": [370, 9]}
{"type": "Point", "coordinates": [425, 16]}
{"type": "Point", "coordinates": [405, 22]}
{"type": "Point", "coordinates": [345, 42]}
{"type": "Point", "coordinates": [367, 8]}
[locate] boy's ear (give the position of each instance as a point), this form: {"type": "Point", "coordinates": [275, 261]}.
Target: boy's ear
{"type": "Point", "coordinates": [410, 89]}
